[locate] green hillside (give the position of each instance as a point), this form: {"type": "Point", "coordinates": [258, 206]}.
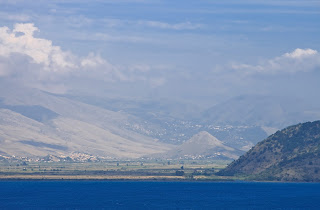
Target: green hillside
{"type": "Point", "coordinates": [292, 154]}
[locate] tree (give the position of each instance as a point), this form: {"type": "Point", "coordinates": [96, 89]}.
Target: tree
{"type": "Point", "coordinates": [179, 173]}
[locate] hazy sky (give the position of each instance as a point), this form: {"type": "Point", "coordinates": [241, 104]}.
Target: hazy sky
{"type": "Point", "coordinates": [200, 50]}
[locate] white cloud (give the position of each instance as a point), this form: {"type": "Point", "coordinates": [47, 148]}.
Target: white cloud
{"type": "Point", "coordinates": [299, 60]}
{"type": "Point", "coordinates": [39, 63]}
{"type": "Point", "coordinates": [93, 60]}
{"type": "Point", "coordinates": [21, 40]}
{"type": "Point", "coordinates": [301, 53]}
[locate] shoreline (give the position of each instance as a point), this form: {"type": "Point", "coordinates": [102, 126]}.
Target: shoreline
{"type": "Point", "coordinates": [142, 179]}
{"type": "Point", "coordinates": [111, 178]}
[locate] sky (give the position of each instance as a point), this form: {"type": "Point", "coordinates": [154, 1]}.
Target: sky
{"type": "Point", "coordinates": [197, 51]}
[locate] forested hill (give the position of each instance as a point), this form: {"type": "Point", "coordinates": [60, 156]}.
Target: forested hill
{"type": "Point", "coordinates": [292, 154]}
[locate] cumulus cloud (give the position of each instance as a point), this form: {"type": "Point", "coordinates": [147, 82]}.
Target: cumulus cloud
{"type": "Point", "coordinates": [37, 62]}
{"type": "Point", "coordinates": [301, 53]}
{"type": "Point", "coordinates": [42, 54]}
{"type": "Point", "coordinates": [299, 60]}
{"type": "Point", "coordinates": [41, 64]}
{"type": "Point", "coordinates": [21, 40]}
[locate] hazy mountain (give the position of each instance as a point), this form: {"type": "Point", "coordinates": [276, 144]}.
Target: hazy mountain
{"type": "Point", "coordinates": [153, 110]}
{"type": "Point", "coordinates": [240, 122]}
{"type": "Point", "coordinates": [201, 146]}
{"type": "Point", "coordinates": [40, 123]}
{"type": "Point", "coordinates": [175, 122]}
{"type": "Point", "coordinates": [265, 111]}
{"type": "Point", "coordinates": [35, 123]}
{"type": "Point", "coordinates": [292, 154]}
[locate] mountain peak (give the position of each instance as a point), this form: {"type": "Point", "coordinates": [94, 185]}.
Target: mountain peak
{"type": "Point", "coordinates": [202, 145]}
{"type": "Point", "coordinates": [204, 137]}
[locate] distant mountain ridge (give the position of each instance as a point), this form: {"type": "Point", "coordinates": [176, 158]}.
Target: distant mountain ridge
{"type": "Point", "coordinates": [292, 154]}
{"type": "Point", "coordinates": [270, 111]}
{"type": "Point", "coordinates": [38, 123]}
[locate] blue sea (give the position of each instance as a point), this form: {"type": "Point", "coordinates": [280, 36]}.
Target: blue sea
{"type": "Point", "coordinates": [157, 195]}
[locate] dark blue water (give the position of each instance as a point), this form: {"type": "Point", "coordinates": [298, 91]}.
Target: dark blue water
{"type": "Point", "coordinates": [157, 195]}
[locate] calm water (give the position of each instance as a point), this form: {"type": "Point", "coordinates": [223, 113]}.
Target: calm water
{"type": "Point", "coordinates": [157, 195]}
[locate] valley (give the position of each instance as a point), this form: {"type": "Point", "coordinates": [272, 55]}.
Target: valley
{"type": "Point", "coordinates": [41, 132]}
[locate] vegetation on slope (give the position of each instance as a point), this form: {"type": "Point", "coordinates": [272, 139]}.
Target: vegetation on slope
{"type": "Point", "coordinates": [292, 154]}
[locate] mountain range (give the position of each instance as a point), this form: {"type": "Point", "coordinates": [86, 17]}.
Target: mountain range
{"type": "Point", "coordinates": [262, 110]}
{"type": "Point", "coordinates": [37, 123]}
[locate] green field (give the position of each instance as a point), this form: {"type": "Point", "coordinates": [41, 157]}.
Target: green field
{"type": "Point", "coordinates": [115, 170]}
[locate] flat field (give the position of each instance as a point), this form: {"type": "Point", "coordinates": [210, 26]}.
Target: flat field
{"type": "Point", "coordinates": [115, 170]}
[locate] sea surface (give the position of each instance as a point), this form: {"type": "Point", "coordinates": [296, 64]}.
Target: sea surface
{"type": "Point", "coordinates": [157, 195]}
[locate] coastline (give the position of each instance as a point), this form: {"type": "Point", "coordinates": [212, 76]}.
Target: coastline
{"type": "Point", "coordinates": [137, 179]}
{"type": "Point", "coordinates": [112, 178]}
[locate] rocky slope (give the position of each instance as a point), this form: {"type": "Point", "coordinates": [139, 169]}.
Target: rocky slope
{"type": "Point", "coordinates": [292, 154]}
{"type": "Point", "coordinates": [202, 146]}
{"type": "Point", "coordinates": [36, 123]}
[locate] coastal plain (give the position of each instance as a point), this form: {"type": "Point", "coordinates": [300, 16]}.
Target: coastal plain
{"type": "Point", "coordinates": [163, 170]}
